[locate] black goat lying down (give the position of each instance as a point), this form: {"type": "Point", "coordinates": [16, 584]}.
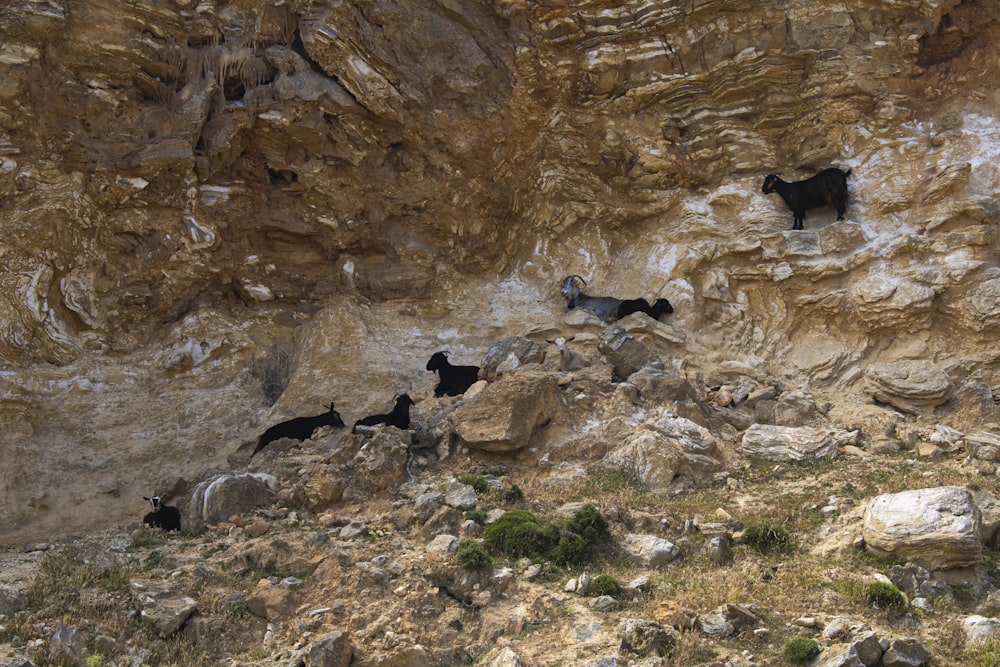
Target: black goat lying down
{"type": "Point", "coordinates": [659, 307]}
{"type": "Point", "coordinates": [399, 417]}
{"type": "Point", "coordinates": [454, 379]}
{"type": "Point", "coordinates": [827, 188]}
{"type": "Point", "coordinates": [162, 516]}
{"type": "Point", "coordinates": [609, 308]}
{"type": "Point", "coordinates": [299, 428]}
{"type": "Point", "coordinates": [605, 307]}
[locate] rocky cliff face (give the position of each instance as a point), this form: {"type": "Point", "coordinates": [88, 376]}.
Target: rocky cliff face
{"type": "Point", "coordinates": [219, 214]}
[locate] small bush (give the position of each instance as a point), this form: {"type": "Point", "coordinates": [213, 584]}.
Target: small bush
{"type": "Point", "coordinates": [884, 596]}
{"type": "Point", "coordinates": [472, 556]}
{"type": "Point", "coordinates": [512, 494]}
{"type": "Point", "coordinates": [479, 516]}
{"type": "Point", "coordinates": [590, 524]}
{"type": "Point", "coordinates": [800, 650]}
{"type": "Point", "coordinates": [518, 534]}
{"type": "Point", "coordinates": [568, 543]}
{"type": "Point", "coordinates": [764, 537]}
{"type": "Point", "coordinates": [477, 482]}
{"type": "Point", "coordinates": [604, 584]}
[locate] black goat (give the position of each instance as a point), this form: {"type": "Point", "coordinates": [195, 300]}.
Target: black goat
{"type": "Point", "coordinates": [399, 417]}
{"type": "Point", "coordinates": [605, 307]}
{"type": "Point", "coordinates": [454, 379]}
{"type": "Point", "coordinates": [827, 188]}
{"type": "Point", "coordinates": [659, 307]}
{"type": "Point", "coordinates": [162, 516]}
{"type": "Point", "coordinates": [299, 428]}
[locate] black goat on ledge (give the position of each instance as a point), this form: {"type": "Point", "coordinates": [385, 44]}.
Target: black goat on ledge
{"type": "Point", "coordinates": [827, 188]}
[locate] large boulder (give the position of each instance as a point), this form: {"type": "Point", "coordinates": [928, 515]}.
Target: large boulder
{"type": "Point", "coordinates": [910, 386]}
{"type": "Point", "coordinates": [666, 447]}
{"type": "Point", "coordinates": [510, 354]}
{"type": "Point", "coordinates": [220, 497]}
{"type": "Point", "coordinates": [506, 413]}
{"type": "Point", "coordinates": [796, 444]}
{"type": "Point", "coordinates": [937, 528]}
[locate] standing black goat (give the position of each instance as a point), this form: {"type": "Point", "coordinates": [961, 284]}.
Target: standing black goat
{"type": "Point", "coordinates": [299, 428]}
{"type": "Point", "coordinates": [454, 379]}
{"type": "Point", "coordinates": [162, 516]}
{"type": "Point", "coordinates": [399, 417]}
{"type": "Point", "coordinates": [827, 188]}
{"type": "Point", "coordinates": [659, 307]}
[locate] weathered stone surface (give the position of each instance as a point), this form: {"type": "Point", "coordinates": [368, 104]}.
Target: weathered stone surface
{"type": "Point", "coordinates": [330, 650]}
{"type": "Point", "coordinates": [800, 445]}
{"type": "Point", "coordinates": [162, 606]}
{"type": "Point", "coordinates": [270, 601]}
{"type": "Point", "coordinates": [938, 528]}
{"type": "Point", "coordinates": [510, 354]}
{"type": "Point", "coordinates": [504, 416]}
{"type": "Point", "coordinates": [664, 448]}
{"type": "Point", "coordinates": [219, 498]}
{"type": "Point", "coordinates": [650, 551]}
{"type": "Point", "coordinates": [910, 386]}
{"type": "Point", "coordinates": [979, 629]}
{"type": "Point", "coordinates": [906, 653]}
{"type": "Point", "coordinates": [646, 638]}
{"type": "Point", "coordinates": [625, 353]}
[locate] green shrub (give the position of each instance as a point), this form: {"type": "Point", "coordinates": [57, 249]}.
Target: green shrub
{"type": "Point", "coordinates": [800, 650]}
{"type": "Point", "coordinates": [764, 537]}
{"type": "Point", "coordinates": [512, 494]}
{"type": "Point", "coordinates": [479, 516]}
{"type": "Point", "coordinates": [568, 543]}
{"type": "Point", "coordinates": [590, 524]}
{"type": "Point", "coordinates": [472, 556]}
{"type": "Point", "coordinates": [884, 596]}
{"type": "Point", "coordinates": [477, 482]}
{"type": "Point", "coordinates": [604, 584]}
{"type": "Point", "coordinates": [518, 534]}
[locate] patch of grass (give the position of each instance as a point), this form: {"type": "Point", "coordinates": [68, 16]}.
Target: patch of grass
{"type": "Point", "coordinates": [800, 650]}
{"type": "Point", "coordinates": [766, 537]}
{"type": "Point", "coordinates": [982, 654]}
{"type": "Point", "coordinates": [604, 584]}
{"type": "Point", "coordinates": [477, 482]}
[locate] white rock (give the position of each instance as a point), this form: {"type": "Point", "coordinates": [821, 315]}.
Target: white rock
{"type": "Point", "coordinates": [938, 528]}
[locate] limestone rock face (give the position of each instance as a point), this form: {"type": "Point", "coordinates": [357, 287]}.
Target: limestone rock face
{"type": "Point", "coordinates": [938, 528]}
{"type": "Point", "coordinates": [218, 213]}
{"type": "Point", "coordinates": [219, 498]}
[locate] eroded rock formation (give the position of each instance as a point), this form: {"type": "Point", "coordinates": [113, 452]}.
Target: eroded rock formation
{"type": "Point", "coordinates": [217, 214]}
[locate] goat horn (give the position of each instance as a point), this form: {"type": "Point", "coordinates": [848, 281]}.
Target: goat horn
{"type": "Point", "coordinates": [581, 279]}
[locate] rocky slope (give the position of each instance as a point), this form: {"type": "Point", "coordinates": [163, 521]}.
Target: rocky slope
{"type": "Point", "coordinates": [219, 215]}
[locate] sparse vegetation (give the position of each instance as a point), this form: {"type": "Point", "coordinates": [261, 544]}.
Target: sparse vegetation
{"type": "Point", "coordinates": [800, 650]}
{"type": "Point", "coordinates": [604, 584]}
{"type": "Point", "coordinates": [881, 595]}
{"type": "Point", "coordinates": [569, 543]}
{"type": "Point", "coordinates": [766, 537]}
{"type": "Point", "coordinates": [472, 556]}
{"type": "Point", "coordinates": [477, 482]}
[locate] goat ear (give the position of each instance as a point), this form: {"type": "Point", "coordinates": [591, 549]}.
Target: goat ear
{"type": "Point", "coordinates": [570, 338]}
{"type": "Point", "coordinates": [550, 341]}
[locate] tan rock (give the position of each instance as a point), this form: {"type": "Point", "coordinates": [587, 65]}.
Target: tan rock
{"type": "Point", "coordinates": [938, 528]}
{"type": "Point", "coordinates": [911, 386]}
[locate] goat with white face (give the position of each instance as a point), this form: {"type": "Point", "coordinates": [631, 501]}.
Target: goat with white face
{"type": "Point", "coordinates": [568, 359]}
{"type": "Point", "coordinates": [162, 516]}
